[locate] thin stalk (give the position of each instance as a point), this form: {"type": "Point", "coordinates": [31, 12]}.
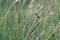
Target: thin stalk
{"type": "Point", "coordinates": [33, 26]}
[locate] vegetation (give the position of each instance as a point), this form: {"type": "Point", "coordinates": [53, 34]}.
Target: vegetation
{"type": "Point", "coordinates": [29, 19]}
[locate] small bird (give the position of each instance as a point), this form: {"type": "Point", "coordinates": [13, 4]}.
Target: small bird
{"type": "Point", "coordinates": [37, 15]}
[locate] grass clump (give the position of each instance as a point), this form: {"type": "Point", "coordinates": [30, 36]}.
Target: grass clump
{"type": "Point", "coordinates": [29, 20]}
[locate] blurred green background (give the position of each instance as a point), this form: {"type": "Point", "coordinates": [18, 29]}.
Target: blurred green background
{"type": "Point", "coordinates": [14, 23]}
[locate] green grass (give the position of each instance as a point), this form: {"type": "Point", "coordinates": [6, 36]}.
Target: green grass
{"type": "Point", "coordinates": [15, 22]}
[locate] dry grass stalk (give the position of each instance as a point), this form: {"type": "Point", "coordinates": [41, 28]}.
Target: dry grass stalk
{"type": "Point", "coordinates": [34, 25]}
{"type": "Point", "coordinates": [57, 28]}
{"type": "Point", "coordinates": [52, 19]}
{"type": "Point", "coordinates": [41, 35]}
{"type": "Point", "coordinates": [14, 3]}
{"type": "Point", "coordinates": [14, 18]}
